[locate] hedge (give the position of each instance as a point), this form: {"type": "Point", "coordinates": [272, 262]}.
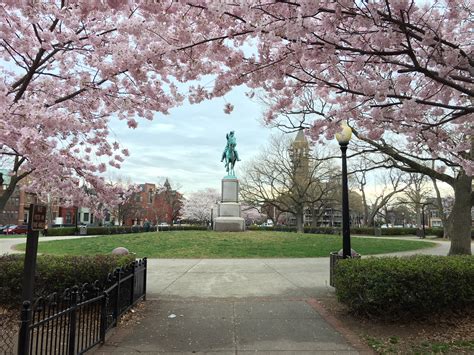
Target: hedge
{"type": "Point", "coordinates": [65, 231]}
{"type": "Point", "coordinates": [417, 286]}
{"type": "Point", "coordinates": [54, 273]}
{"type": "Point", "coordinates": [354, 230]}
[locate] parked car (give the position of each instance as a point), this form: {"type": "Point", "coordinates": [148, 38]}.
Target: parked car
{"type": "Point", "coordinates": [23, 229]}
{"type": "Point", "coordinates": [163, 224]}
{"type": "Point", "coordinates": [2, 228]}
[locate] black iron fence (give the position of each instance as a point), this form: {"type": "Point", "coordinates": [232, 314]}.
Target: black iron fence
{"type": "Point", "coordinates": [78, 319]}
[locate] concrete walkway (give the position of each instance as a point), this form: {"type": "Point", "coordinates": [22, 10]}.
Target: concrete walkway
{"type": "Point", "coordinates": [7, 244]}
{"type": "Point", "coordinates": [234, 306]}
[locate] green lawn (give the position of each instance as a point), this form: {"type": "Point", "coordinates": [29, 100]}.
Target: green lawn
{"type": "Point", "coordinates": [5, 236]}
{"type": "Point", "coordinates": [204, 244]}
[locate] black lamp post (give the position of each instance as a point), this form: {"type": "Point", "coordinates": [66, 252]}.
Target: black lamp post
{"type": "Point", "coordinates": [343, 138]}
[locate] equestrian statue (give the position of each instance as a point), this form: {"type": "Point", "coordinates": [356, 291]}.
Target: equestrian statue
{"type": "Point", "coordinates": [230, 154]}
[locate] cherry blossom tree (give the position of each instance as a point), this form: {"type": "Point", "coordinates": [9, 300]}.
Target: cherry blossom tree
{"type": "Point", "coordinates": [68, 68]}
{"type": "Point", "coordinates": [197, 207]}
{"type": "Point", "coordinates": [252, 214]}
{"type": "Point", "coordinates": [401, 67]}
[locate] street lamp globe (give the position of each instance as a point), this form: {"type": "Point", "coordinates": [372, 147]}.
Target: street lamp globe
{"type": "Point", "coordinates": [344, 136]}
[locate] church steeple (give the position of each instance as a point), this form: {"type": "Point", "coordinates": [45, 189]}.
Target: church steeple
{"type": "Point", "coordinates": [167, 184]}
{"type": "Point", "coordinates": [299, 152]}
{"type": "Point", "coordinates": [301, 138]}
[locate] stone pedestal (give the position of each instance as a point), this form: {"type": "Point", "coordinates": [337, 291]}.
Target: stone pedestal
{"type": "Point", "coordinates": [228, 210]}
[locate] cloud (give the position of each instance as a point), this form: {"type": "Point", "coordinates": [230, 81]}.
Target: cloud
{"type": "Point", "coordinates": [187, 144]}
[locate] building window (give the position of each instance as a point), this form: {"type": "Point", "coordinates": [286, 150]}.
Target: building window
{"type": "Point", "coordinates": [68, 219]}
{"type": "Point", "coordinates": [85, 217]}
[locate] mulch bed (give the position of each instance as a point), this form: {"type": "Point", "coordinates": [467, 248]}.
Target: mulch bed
{"type": "Point", "coordinates": [441, 333]}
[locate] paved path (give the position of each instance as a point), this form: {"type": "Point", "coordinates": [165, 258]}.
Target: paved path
{"type": "Point", "coordinates": [6, 244]}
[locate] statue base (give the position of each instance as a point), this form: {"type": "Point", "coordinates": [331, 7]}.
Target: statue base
{"type": "Point", "coordinates": [228, 210]}
{"type": "Point", "coordinates": [229, 224]}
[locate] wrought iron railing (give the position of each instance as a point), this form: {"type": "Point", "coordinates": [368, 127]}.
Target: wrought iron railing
{"type": "Point", "coordinates": [78, 319]}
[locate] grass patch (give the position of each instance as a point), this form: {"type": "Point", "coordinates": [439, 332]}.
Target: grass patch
{"type": "Point", "coordinates": [205, 244]}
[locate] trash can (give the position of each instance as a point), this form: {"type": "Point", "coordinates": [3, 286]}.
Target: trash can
{"type": "Point", "coordinates": [333, 258]}
{"type": "Point", "coordinates": [378, 232]}
{"type": "Point", "coordinates": [82, 230]}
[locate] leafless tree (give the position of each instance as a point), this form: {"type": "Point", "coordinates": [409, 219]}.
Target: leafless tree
{"type": "Point", "coordinates": [288, 179]}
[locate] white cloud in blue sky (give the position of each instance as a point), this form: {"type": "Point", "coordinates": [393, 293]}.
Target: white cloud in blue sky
{"type": "Point", "coordinates": [187, 144]}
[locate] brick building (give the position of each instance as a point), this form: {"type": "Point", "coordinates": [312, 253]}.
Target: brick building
{"type": "Point", "coordinates": [152, 203]}
{"type": "Point", "coordinates": [17, 207]}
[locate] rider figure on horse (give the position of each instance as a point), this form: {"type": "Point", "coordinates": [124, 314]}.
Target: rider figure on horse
{"type": "Point", "coordinates": [231, 143]}
{"type": "Point", "coordinates": [230, 154]}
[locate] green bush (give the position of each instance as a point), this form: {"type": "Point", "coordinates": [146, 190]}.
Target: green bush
{"type": "Point", "coordinates": [64, 231]}
{"type": "Point", "coordinates": [54, 273]}
{"type": "Point", "coordinates": [416, 286]}
{"type": "Point", "coordinates": [354, 230]}
{"type": "Point", "coordinates": [322, 230]}
{"type": "Point", "coordinates": [195, 227]}
{"type": "Point", "coordinates": [61, 231]}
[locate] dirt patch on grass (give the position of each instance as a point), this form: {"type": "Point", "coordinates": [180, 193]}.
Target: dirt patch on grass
{"type": "Point", "coordinates": [447, 333]}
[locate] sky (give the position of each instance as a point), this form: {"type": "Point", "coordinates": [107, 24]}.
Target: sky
{"type": "Point", "coordinates": [186, 145]}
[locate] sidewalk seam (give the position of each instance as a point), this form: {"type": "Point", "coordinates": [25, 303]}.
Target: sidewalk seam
{"type": "Point", "coordinates": [180, 276]}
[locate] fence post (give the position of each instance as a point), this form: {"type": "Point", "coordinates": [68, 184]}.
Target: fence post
{"type": "Point", "coordinates": [103, 316]}
{"type": "Point", "coordinates": [24, 335]}
{"type": "Point", "coordinates": [145, 263]}
{"type": "Point", "coordinates": [132, 289]}
{"type": "Point", "coordinates": [118, 271]}
{"type": "Point", "coordinates": [72, 321]}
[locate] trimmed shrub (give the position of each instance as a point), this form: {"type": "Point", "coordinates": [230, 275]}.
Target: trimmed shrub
{"type": "Point", "coordinates": [187, 228]}
{"type": "Point", "coordinates": [54, 273]}
{"type": "Point", "coordinates": [322, 230]}
{"type": "Point", "coordinates": [65, 231]}
{"type": "Point", "coordinates": [416, 286]}
{"type": "Point", "coordinates": [61, 231]}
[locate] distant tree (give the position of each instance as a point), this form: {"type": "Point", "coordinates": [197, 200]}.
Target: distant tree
{"type": "Point", "coordinates": [389, 185]}
{"type": "Point", "coordinates": [287, 178]}
{"type": "Point", "coordinates": [445, 208]}
{"type": "Point", "coordinates": [416, 195]}
{"type": "Point", "coordinates": [198, 205]}
{"type": "Point", "coordinates": [252, 215]}
{"type": "Point", "coordinates": [128, 209]}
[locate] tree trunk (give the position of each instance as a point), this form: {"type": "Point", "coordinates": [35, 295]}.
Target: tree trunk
{"type": "Point", "coordinates": [299, 222]}
{"type": "Point", "coordinates": [418, 216]}
{"type": "Point", "coordinates": [459, 227]}
{"type": "Point", "coordinates": [8, 192]}
{"type": "Point", "coordinates": [366, 208]}
{"type": "Point", "coordinates": [439, 202]}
